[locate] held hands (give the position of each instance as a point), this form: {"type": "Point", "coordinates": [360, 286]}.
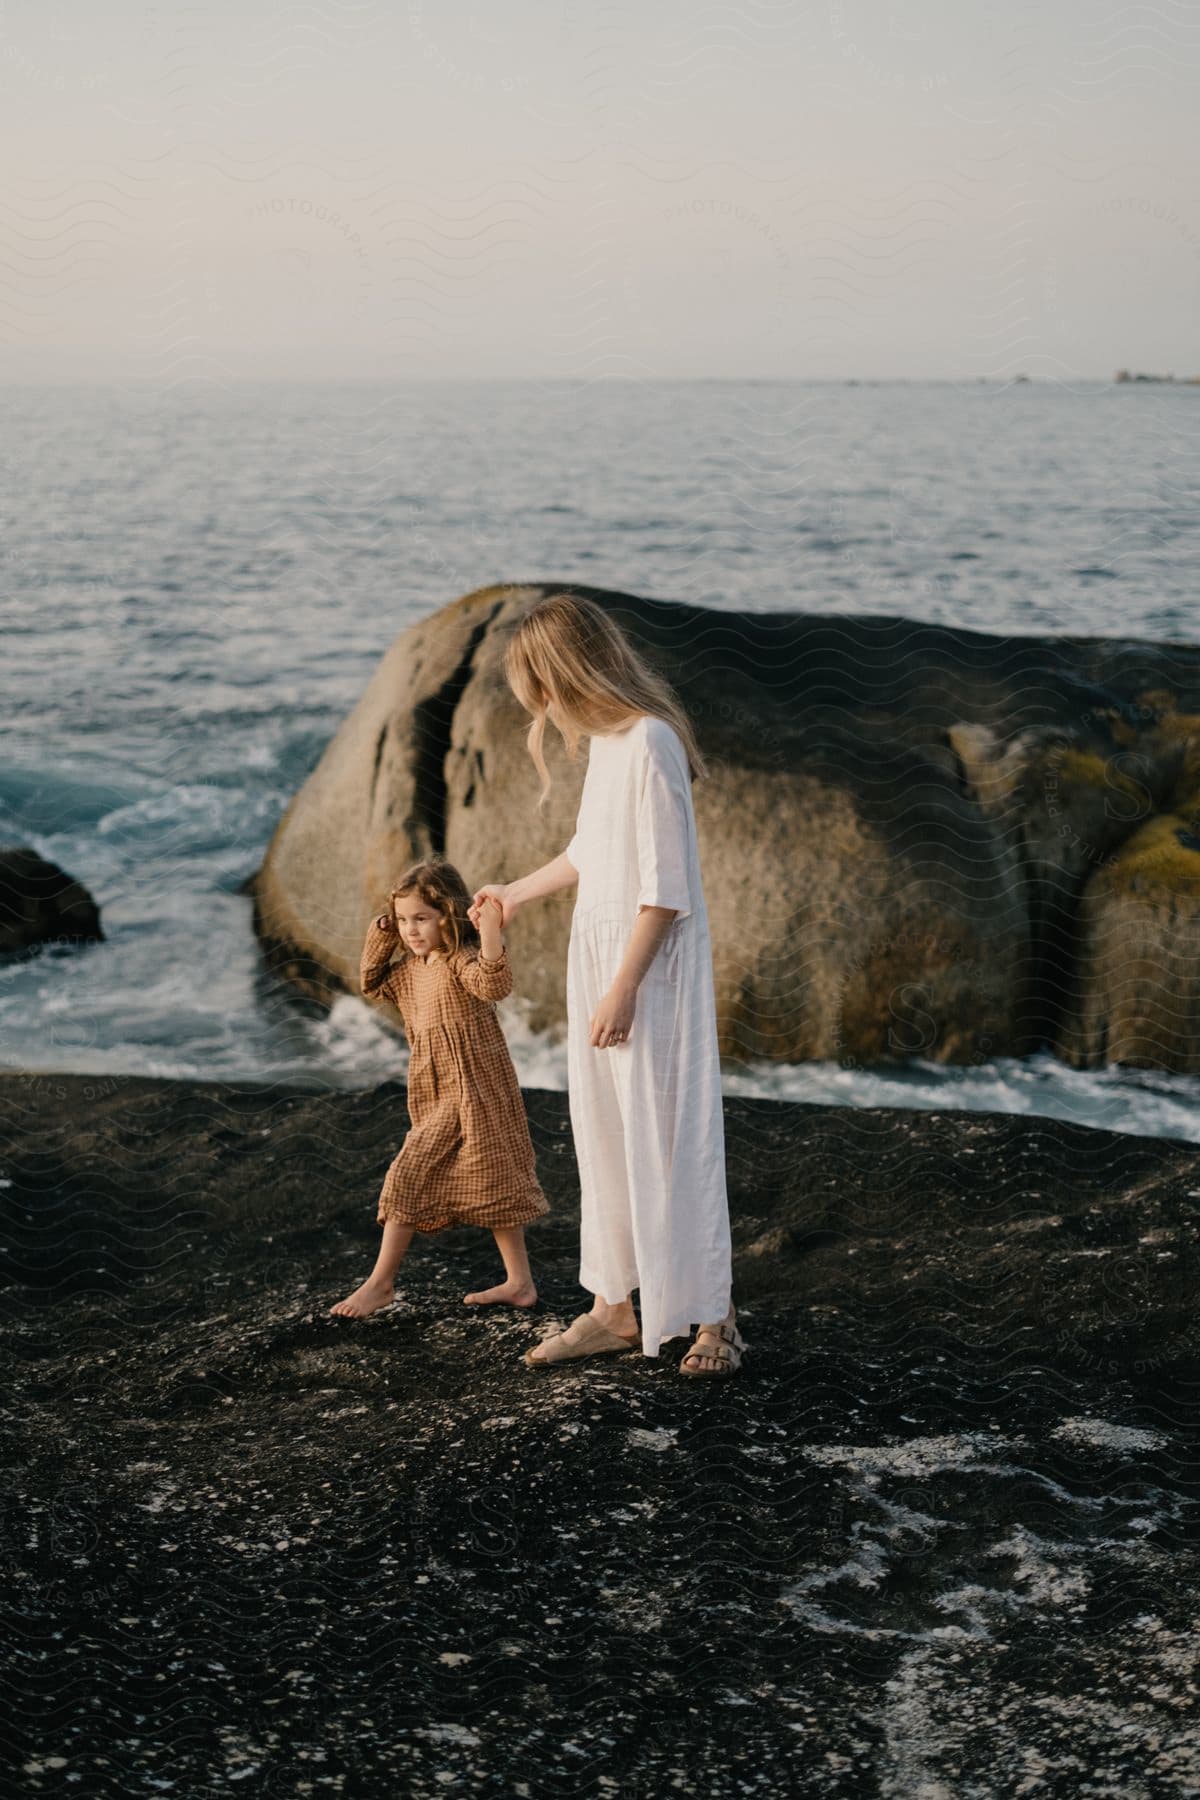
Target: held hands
{"type": "Point", "coordinates": [486, 914]}
{"type": "Point", "coordinates": [612, 1020]}
{"type": "Point", "coordinates": [499, 891]}
{"type": "Point", "coordinates": [485, 897]}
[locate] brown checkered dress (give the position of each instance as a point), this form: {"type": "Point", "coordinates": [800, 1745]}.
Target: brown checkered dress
{"type": "Point", "coordinates": [468, 1159]}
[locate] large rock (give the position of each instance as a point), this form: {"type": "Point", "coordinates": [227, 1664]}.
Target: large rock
{"type": "Point", "coordinates": [897, 833]}
{"type": "Point", "coordinates": [41, 904]}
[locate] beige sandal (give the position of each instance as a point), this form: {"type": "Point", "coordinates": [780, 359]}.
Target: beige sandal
{"type": "Point", "coordinates": [583, 1337]}
{"type": "Point", "coordinates": [725, 1344]}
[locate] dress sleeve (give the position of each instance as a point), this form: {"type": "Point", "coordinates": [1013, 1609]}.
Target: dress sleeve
{"type": "Point", "coordinates": [375, 973]}
{"type": "Point", "coordinates": [572, 852]}
{"type": "Point", "coordinates": [664, 821]}
{"type": "Point", "coordinates": [485, 979]}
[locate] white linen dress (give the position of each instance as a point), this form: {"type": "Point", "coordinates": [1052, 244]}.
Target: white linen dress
{"type": "Point", "coordinates": [646, 1113]}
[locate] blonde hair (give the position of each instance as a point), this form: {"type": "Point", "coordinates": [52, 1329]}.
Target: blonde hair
{"type": "Point", "coordinates": [439, 884]}
{"type": "Point", "coordinates": [567, 653]}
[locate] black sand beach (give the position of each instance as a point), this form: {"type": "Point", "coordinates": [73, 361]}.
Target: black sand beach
{"type": "Point", "coordinates": [939, 1537]}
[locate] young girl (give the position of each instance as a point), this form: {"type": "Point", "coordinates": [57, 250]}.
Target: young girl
{"type": "Point", "coordinates": [468, 1159]}
{"type": "Point", "coordinates": [643, 1069]}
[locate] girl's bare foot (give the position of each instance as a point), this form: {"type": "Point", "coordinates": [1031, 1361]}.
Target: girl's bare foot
{"type": "Point", "coordinates": [374, 1293]}
{"type": "Point", "coordinates": [508, 1293]}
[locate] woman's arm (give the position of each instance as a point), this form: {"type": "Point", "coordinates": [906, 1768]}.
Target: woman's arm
{"type": "Point", "coordinates": [561, 873]}
{"type": "Point", "coordinates": [613, 1018]}
{"type": "Point", "coordinates": [649, 929]}
{"type": "Point", "coordinates": [664, 838]}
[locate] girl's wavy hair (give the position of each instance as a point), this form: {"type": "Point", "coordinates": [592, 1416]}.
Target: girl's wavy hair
{"type": "Point", "coordinates": [439, 884]}
{"type": "Point", "coordinates": [567, 653]}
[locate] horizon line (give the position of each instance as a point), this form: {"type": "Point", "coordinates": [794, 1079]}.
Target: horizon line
{"type": "Point", "coordinates": [1020, 378]}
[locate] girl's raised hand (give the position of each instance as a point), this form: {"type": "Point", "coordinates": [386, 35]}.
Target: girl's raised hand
{"type": "Point", "coordinates": [490, 912]}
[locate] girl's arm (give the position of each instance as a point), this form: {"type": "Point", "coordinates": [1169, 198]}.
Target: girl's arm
{"type": "Point", "coordinates": [561, 873]}
{"type": "Point", "coordinates": [374, 968]}
{"type": "Point", "coordinates": [488, 976]}
{"type": "Point", "coordinates": [486, 979]}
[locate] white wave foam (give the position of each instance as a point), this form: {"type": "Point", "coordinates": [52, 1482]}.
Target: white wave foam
{"type": "Point", "coordinates": [354, 1039]}
{"type": "Point", "coordinates": [1140, 1102]}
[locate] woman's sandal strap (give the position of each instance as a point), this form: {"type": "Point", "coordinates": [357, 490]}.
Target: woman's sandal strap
{"type": "Point", "coordinates": [729, 1334]}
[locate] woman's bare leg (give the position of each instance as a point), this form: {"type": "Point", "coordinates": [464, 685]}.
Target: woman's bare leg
{"type": "Point", "coordinates": [379, 1288]}
{"type": "Point", "coordinates": [517, 1289]}
{"type": "Point", "coordinates": [619, 1317]}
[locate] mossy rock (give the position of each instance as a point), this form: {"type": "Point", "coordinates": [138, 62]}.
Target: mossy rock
{"type": "Point", "coordinates": [1136, 991]}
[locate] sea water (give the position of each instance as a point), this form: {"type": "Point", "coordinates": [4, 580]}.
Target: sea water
{"type": "Point", "coordinates": [198, 582]}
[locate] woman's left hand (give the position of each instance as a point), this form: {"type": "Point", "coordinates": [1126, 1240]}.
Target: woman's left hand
{"type": "Point", "coordinates": [612, 1020]}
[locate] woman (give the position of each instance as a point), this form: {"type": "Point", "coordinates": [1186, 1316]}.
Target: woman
{"type": "Point", "coordinates": [643, 1068]}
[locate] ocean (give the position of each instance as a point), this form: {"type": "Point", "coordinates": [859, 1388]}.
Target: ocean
{"type": "Point", "coordinates": [199, 582]}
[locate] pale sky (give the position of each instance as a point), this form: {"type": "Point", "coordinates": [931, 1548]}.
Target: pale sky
{"type": "Point", "coordinates": [631, 189]}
